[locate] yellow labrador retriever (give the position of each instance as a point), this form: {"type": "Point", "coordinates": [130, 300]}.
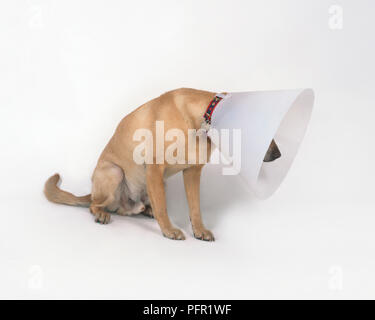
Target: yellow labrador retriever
{"type": "Point", "coordinates": [123, 186]}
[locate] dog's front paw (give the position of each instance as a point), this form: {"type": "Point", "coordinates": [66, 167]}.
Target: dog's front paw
{"type": "Point", "coordinates": [204, 234]}
{"type": "Point", "coordinates": [174, 234]}
{"type": "Point", "coordinates": [102, 217]}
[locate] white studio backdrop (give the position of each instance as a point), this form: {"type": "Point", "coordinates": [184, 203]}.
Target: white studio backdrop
{"type": "Point", "coordinates": [70, 70]}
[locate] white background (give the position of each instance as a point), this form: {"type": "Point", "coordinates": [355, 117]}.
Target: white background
{"type": "Point", "coordinates": [70, 70]}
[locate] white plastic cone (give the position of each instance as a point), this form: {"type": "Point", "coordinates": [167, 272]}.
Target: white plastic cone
{"type": "Point", "coordinates": [262, 116]}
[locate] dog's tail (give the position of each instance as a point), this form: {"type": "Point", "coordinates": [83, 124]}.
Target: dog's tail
{"type": "Point", "coordinates": [54, 194]}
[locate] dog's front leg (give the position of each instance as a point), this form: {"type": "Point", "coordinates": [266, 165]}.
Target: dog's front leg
{"type": "Point", "coordinates": [156, 193]}
{"type": "Point", "coordinates": [192, 183]}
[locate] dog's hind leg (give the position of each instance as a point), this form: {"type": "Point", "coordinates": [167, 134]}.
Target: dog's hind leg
{"type": "Point", "coordinates": [106, 182]}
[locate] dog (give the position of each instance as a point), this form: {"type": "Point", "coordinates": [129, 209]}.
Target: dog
{"type": "Point", "coordinates": [122, 186]}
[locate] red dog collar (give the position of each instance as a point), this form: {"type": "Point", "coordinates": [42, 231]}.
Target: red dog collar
{"type": "Point", "coordinates": [210, 109]}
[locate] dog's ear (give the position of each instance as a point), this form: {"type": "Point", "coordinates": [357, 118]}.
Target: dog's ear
{"type": "Point", "coordinates": [273, 152]}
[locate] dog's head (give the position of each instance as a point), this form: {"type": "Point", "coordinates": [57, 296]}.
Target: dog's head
{"type": "Point", "coordinates": [273, 152]}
